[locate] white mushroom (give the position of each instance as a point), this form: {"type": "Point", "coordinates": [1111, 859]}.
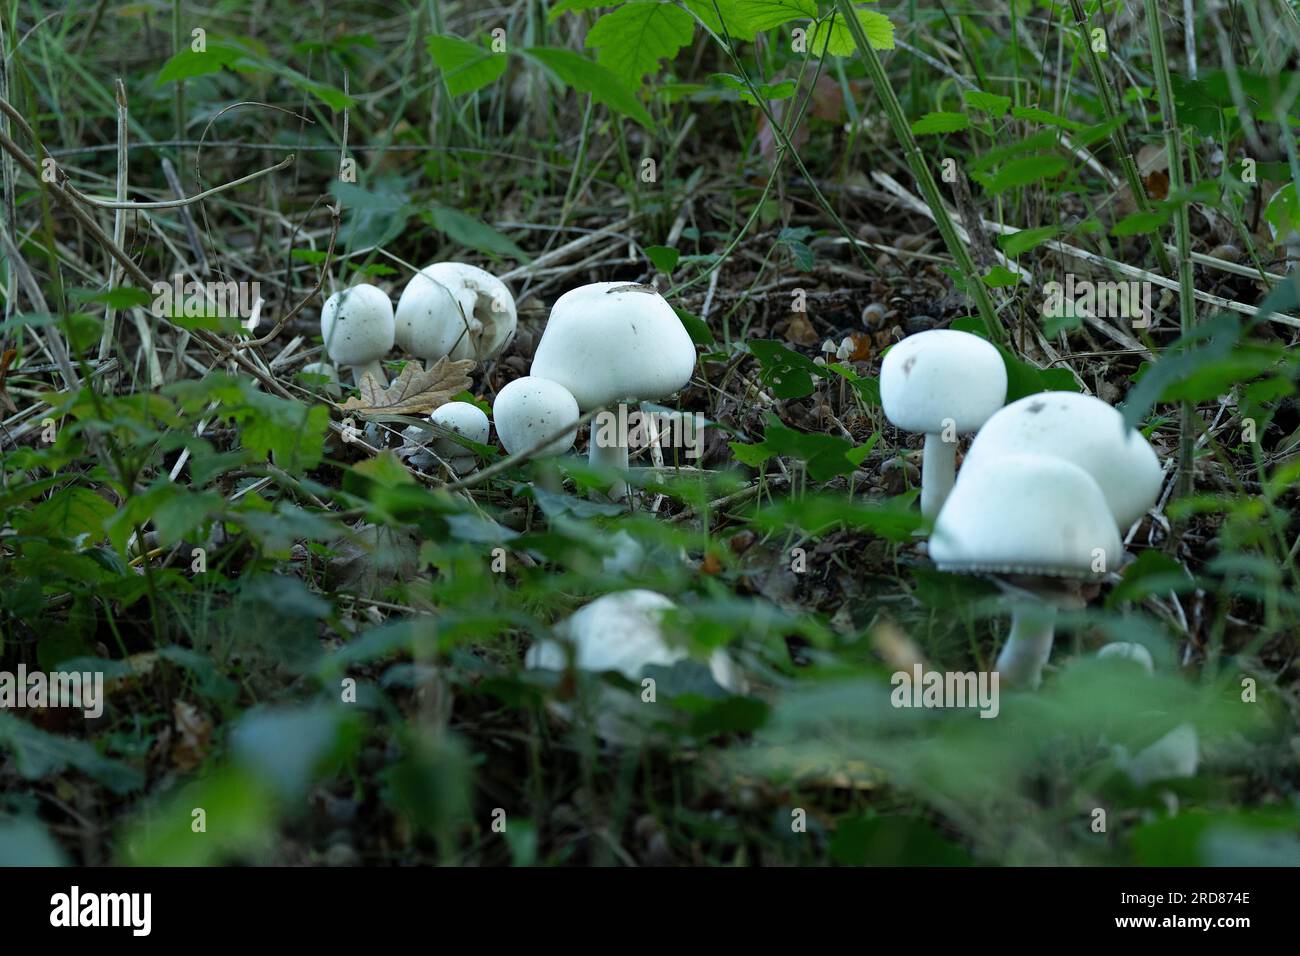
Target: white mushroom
{"type": "Point", "coordinates": [530, 408]}
{"type": "Point", "coordinates": [1042, 520]}
{"type": "Point", "coordinates": [942, 383]}
{"type": "Point", "coordinates": [623, 632]}
{"type": "Point", "coordinates": [456, 309]}
{"type": "Point", "coordinates": [1177, 753]}
{"type": "Point", "coordinates": [327, 371]}
{"type": "Point", "coordinates": [357, 326]}
{"type": "Point", "coordinates": [462, 418]}
{"type": "Point", "coordinates": [610, 341]}
{"type": "Point", "coordinates": [1083, 430]}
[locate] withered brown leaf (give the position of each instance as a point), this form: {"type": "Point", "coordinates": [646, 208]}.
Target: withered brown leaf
{"type": "Point", "coordinates": [415, 391]}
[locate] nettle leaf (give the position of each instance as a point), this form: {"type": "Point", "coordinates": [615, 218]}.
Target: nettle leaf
{"type": "Point", "coordinates": [894, 519]}
{"type": "Point", "coordinates": [758, 15]}
{"type": "Point", "coordinates": [472, 232]}
{"type": "Point", "coordinates": [291, 432]}
{"type": "Point", "coordinates": [833, 35]}
{"type": "Point", "coordinates": [604, 86]}
{"type": "Point", "coordinates": [1021, 172]}
{"type": "Point", "coordinates": [796, 240]}
{"type": "Point", "coordinates": [825, 455]}
{"type": "Point", "coordinates": [188, 63]}
{"type": "Point", "coordinates": [1015, 243]}
{"type": "Point", "coordinates": [788, 374]}
{"type": "Point", "coordinates": [68, 513]}
{"type": "Point", "coordinates": [631, 40]}
{"type": "Point", "coordinates": [767, 91]}
{"type": "Point", "coordinates": [989, 103]}
{"type": "Point", "coordinates": [940, 123]}
{"type": "Point", "coordinates": [466, 67]}
{"type": "Point", "coordinates": [1036, 115]}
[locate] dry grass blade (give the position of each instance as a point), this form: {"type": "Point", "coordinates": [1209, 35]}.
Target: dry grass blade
{"type": "Point", "coordinates": [416, 391]}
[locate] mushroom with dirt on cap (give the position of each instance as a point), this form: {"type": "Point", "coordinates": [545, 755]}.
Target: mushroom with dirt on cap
{"type": "Point", "coordinates": [943, 383]}
{"type": "Point", "coordinates": [456, 309]}
{"type": "Point", "coordinates": [1041, 524]}
{"type": "Point", "coordinates": [357, 326]}
{"type": "Point", "coordinates": [612, 341]}
{"type": "Point", "coordinates": [1083, 430]}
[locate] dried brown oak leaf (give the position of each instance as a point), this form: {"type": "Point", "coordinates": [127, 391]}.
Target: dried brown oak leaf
{"type": "Point", "coordinates": [415, 391]}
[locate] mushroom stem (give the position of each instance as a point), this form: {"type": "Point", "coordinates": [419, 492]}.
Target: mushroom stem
{"type": "Point", "coordinates": [938, 468]}
{"type": "Point", "coordinates": [375, 368]}
{"type": "Point", "coordinates": [610, 456]}
{"type": "Point", "coordinates": [1028, 646]}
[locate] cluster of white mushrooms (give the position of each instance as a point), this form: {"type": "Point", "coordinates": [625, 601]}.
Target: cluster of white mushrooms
{"type": "Point", "coordinates": [1049, 486]}
{"type": "Point", "coordinates": [604, 342]}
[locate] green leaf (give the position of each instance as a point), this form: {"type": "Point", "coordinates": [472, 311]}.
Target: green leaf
{"type": "Point", "coordinates": [188, 64]}
{"type": "Point", "coordinates": [465, 66]}
{"type": "Point", "coordinates": [1021, 172]}
{"type": "Point", "coordinates": [894, 519]}
{"type": "Point", "coordinates": [1036, 115]}
{"type": "Point", "coordinates": [940, 123]}
{"type": "Point", "coordinates": [989, 103]}
{"type": "Point", "coordinates": [796, 240]}
{"type": "Point", "coordinates": [371, 217]}
{"type": "Point", "coordinates": [1000, 277]}
{"type": "Point", "coordinates": [1013, 244]}
{"type": "Point", "coordinates": [574, 6]}
{"type": "Point", "coordinates": [291, 432]}
{"type": "Point", "coordinates": [825, 455]}
{"type": "Point", "coordinates": [664, 258]}
{"type": "Point", "coordinates": [767, 91]}
{"type": "Point", "coordinates": [788, 374]}
{"type": "Point", "coordinates": [1283, 212]}
{"type": "Point", "coordinates": [1140, 223]}
{"type": "Point", "coordinates": [696, 328]}
{"type": "Point", "coordinates": [834, 36]}
{"type": "Point", "coordinates": [68, 513]}
{"type": "Point", "coordinates": [758, 15]}
{"type": "Point", "coordinates": [39, 754]}
{"type": "Point", "coordinates": [472, 232]}
{"type": "Point", "coordinates": [631, 40]}
{"type": "Point", "coordinates": [586, 77]}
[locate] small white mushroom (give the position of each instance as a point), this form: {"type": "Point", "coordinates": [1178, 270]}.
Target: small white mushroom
{"type": "Point", "coordinates": [623, 632]}
{"type": "Point", "coordinates": [462, 418]}
{"type": "Point", "coordinates": [1040, 519]}
{"type": "Point", "coordinates": [1083, 430]}
{"type": "Point", "coordinates": [456, 309]}
{"type": "Point", "coordinates": [1177, 753]}
{"type": "Point", "coordinates": [357, 326]}
{"type": "Point", "coordinates": [942, 383]}
{"type": "Point", "coordinates": [531, 408]}
{"type": "Point", "coordinates": [610, 341]}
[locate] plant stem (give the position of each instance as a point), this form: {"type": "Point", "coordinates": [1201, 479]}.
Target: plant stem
{"type": "Point", "coordinates": [1118, 138]}
{"type": "Point", "coordinates": [1182, 228]}
{"type": "Point", "coordinates": [924, 179]}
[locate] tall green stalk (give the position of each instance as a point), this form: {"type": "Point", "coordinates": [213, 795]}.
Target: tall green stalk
{"type": "Point", "coordinates": [924, 179]}
{"type": "Point", "coordinates": [1118, 138]}
{"type": "Point", "coordinates": [1182, 227]}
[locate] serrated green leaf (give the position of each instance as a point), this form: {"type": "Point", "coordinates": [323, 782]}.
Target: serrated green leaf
{"type": "Point", "coordinates": [1021, 172]}
{"type": "Point", "coordinates": [989, 103]}
{"type": "Point", "coordinates": [1013, 244]}
{"type": "Point", "coordinates": [758, 15]}
{"type": "Point", "coordinates": [940, 123]}
{"type": "Point", "coordinates": [1036, 115]}
{"type": "Point", "coordinates": [631, 40]}
{"type": "Point", "coordinates": [466, 67]}
{"type": "Point", "coordinates": [833, 36]}
{"type": "Point", "coordinates": [592, 78]}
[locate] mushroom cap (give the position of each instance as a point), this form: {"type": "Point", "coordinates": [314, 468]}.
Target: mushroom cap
{"type": "Point", "coordinates": [614, 340]}
{"type": "Point", "coordinates": [487, 305]}
{"type": "Point", "coordinates": [1026, 514]}
{"type": "Point", "coordinates": [428, 320]}
{"type": "Point", "coordinates": [623, 632]}
{"type": "Point", "coordinates": [1129, 651]}
{"type": "Point", "coordinates": [1083, 430]}
{"type": "Point", "coordinates": [464, 419]}
{"type": "Point", "coordinates": [932, 376]}
{"type": "Point", "coordinates": [530, 408]}
{"type": "Point", "coordinates": [357, 325]}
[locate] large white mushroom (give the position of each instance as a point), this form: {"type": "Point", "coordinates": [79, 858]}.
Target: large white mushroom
{"type": "Point", "coordinates": [456, 309]}
{"type": "Point", "coordinates": [942, 383]}
{"type": "Point", "coordinates": [612, 341]}
{"type": "Point", "coordinates": [1083, 430]}
{"type": "Point", "coordinates": [623, 632]}
{"type": "Point", "coordinates": [357, 326]}
{"type": "Point", "coordinates": [1041, 523]}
